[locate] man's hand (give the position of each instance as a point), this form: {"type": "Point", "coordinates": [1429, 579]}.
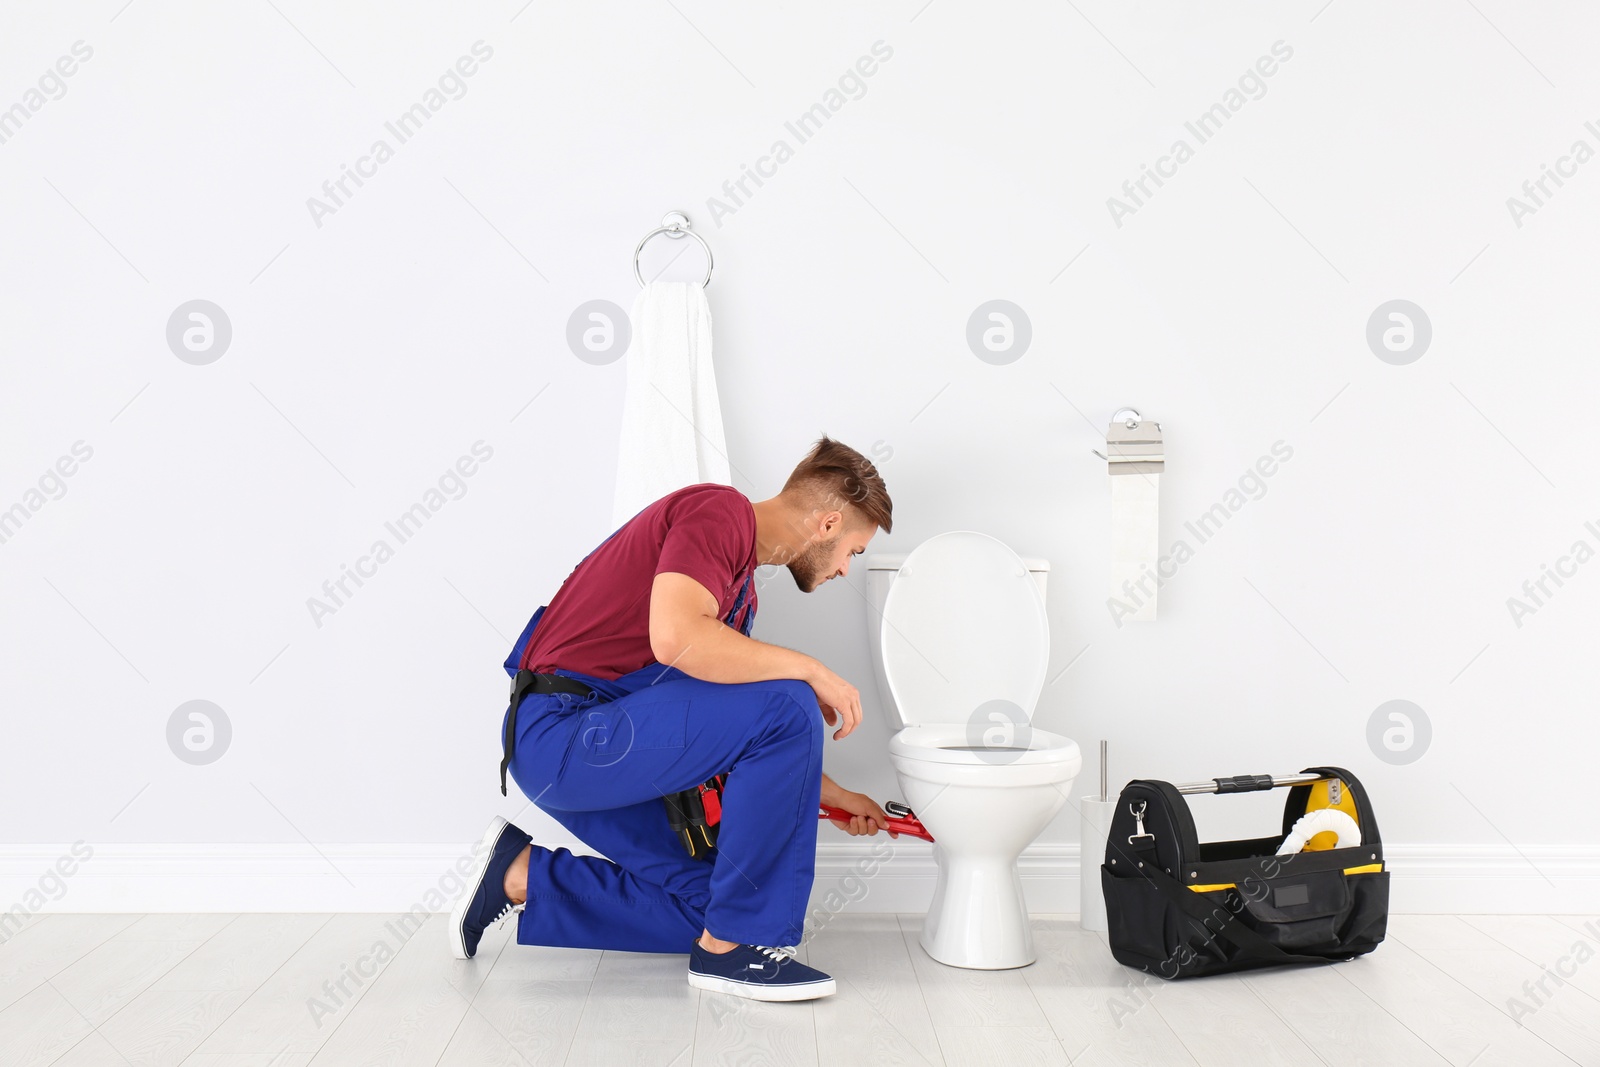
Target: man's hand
{"type": "Point", "coordinates": [867, 817]}
{"type": "Point", "coordinates": [838, 699]}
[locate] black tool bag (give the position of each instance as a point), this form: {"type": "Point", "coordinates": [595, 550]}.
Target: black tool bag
{"type": "Point", "coordinates": [1178, 907]}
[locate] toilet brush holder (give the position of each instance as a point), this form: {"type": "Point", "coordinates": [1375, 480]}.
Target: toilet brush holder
{"type": "Point", "coordinates": [1094, 827]}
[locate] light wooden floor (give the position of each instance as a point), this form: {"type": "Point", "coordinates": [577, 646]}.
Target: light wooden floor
{"type": "Point", "coordinates": [234, 991]}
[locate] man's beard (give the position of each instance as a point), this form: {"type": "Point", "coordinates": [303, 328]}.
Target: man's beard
{"type": "Point", "coordinates": [808, 567]}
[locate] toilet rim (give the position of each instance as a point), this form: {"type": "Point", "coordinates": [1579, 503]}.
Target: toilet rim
{"type": "Point", "coordinates": [987, 775]}
{"type": "Point", "coordinates": [937, 743]}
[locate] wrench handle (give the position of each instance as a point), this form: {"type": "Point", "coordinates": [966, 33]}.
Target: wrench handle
{"type": "Point", "coordinates": [910, 826]}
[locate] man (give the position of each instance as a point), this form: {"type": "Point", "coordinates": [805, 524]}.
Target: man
{"type": "Point", "coordinates": [639, 680]}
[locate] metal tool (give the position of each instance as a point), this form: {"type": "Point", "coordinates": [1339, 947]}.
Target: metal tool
{"type": "Point", "coordinates": [900, 824]}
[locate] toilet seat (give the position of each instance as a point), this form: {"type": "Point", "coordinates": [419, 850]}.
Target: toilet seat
{"type": "Point", "coordinates": [954, 744]}
{"type": "Point", "coordinates": [964, 626]}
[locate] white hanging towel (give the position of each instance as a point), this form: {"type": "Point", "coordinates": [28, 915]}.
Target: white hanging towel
{"type": "Point", "coordinates": [671, 417]}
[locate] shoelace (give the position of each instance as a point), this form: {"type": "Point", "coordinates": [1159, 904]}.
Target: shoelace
{"type": "Point", "coordinates": [778, 955]}
{"type": "Point", "coordinates": [506, 913]}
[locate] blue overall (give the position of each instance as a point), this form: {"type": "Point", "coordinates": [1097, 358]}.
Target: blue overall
{"type": "Point", "coordinates": [600, 765]}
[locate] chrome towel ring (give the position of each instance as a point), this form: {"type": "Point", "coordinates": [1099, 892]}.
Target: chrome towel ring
{"type": "Point", "coordinates": [676, 226]}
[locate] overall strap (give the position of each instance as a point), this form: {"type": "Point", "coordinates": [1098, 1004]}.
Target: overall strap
{"type": "Point", "coordinates": [749, 619]}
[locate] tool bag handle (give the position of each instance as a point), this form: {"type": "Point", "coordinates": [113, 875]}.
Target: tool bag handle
{"type": "Point", "coordinates": [1252, 944]}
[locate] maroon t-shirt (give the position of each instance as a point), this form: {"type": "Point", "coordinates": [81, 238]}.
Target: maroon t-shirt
{"type": "Point", "coordinates": [598, 623]}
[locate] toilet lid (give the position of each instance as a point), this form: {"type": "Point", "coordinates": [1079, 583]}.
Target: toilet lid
{"type": "Point", "coordinates": [965, 638]}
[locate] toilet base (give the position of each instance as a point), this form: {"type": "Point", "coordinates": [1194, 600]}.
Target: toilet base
{"type": "Point", "coordinates": [979, 917]}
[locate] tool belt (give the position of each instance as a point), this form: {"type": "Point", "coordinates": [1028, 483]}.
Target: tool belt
{"type": "Point", "coordinates": [1177, 906]}
{"type": "Point", "coordinates": [695, 815]}
{"type": "Point", "coordinates": [522, 684]}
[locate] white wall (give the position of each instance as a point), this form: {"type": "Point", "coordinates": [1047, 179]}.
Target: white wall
{"type": "Point", "coordinates": [372, 350]}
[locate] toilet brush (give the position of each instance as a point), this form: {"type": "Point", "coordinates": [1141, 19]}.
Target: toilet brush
{"type": "Point", "coordinates": [1094, 827]}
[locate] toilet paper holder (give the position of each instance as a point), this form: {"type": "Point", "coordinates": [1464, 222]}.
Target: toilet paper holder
{"type": "Point", "coordinates": [1131, 447]}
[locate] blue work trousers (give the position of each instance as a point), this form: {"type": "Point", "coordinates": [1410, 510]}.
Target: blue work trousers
{"type": "Point", "coordinates": [601, 768]}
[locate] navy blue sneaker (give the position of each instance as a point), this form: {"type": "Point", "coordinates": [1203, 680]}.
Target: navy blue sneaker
{"type": "Point", "coordinates": [485, 900]}
{"type": "Point", "coordinates": [756, 972]}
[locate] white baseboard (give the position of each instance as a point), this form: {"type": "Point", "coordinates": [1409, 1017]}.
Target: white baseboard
{"type": "Point", "coordinates": [1549, 879]}
{"type": "Point", "coordinates": [1425, 879]}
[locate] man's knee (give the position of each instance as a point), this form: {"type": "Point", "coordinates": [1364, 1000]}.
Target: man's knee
{"type": "Point", "coordinates": [795, 700]}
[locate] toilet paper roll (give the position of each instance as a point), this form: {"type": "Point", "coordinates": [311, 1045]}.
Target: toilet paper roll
{"type": "Point", "coordinates": [1135, 524]}
{"type": "Point", "coordinates": [1094, 827]}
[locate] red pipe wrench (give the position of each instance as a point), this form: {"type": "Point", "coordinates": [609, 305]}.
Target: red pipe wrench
{"type": "Point", "coordinates": [901, 819]}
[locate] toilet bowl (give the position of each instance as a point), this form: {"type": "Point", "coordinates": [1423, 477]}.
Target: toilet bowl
{"type": "Point", "coordinates": [960, 646]}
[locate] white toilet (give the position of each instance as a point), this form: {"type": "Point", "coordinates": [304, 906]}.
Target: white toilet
{"type": "Point", "coordinates": [960, 645]}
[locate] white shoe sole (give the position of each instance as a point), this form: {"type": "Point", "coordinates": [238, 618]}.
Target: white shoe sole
{"type": "Point", "coordinates": [458, 944]}
{"type": "Point", "coordinates": [758, 991]}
